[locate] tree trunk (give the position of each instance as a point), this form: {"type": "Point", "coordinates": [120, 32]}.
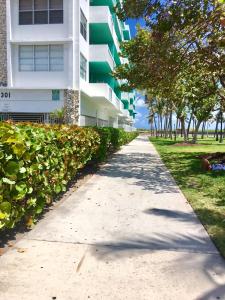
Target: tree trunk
{"type": "Point", "coordinates": [171, 125]}
{"type": "Point", "coordinates": [166, 126]}
{"type": "Point", "coordinates": [216, 130]}
{"type": "Point", "coordinates": [193, 127]}
{"type": "Point", "coordinates": [189, 124]}
{"type": "Point", "coordinates": [195, 135]}
{"type": "Point", "coordinates": [155, 125]}
{"type": "Point", "coordinates": [158, 125]}
{"type": "Point", "coordinates": [221, 126]}
{"type": "Point", "coordinates": [184, 132]}
{"type": "Point", "coordinates": [175, 129]}
{"type": "Point", "coordinates": [161, 125]}
{"type": "Point", "coordinates": [203, 130]}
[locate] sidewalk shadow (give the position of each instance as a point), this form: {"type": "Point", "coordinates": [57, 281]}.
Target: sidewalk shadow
{"type": "Point", "coordinates": [193, 252]}
{"type": "Point", "coordinates": [216, 293]}
{"type": "Point", "coordinates": [155, 242]}
{"type": "Point", "coordinates": [189, 217]}
{"type": "Point", "coordinates": [141, 169]}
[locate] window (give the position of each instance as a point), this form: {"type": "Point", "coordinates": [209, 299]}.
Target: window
{"type": "Point", "coordinates": [40, 12]}
{"type": "Point", "coordinates": [45, 58]}
{"type": "Point", "coordinates": [83, 25]}
{"type": "Point", "coordinates": [83, 67]}
{"type": "Point", "coordinates": [56, 61]}
{"type": "Point", "coordinates": [26, 58]}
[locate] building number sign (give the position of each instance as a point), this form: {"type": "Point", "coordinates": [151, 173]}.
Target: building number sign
{"type": "Point", "coordinates": [5, 95]}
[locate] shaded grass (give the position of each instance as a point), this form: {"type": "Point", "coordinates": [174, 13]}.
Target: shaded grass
{"type": "Point", "coordinates": [205, 191]}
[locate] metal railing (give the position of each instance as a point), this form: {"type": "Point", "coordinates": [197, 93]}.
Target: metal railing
{"type": "Point", "coordinates": [30, 117]}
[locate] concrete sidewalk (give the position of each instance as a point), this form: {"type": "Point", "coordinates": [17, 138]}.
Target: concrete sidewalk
{"type": "Point", "coordinates": [128, 233]}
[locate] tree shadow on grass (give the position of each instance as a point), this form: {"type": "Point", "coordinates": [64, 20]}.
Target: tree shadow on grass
{"type": "Point", "coordinates": [187, 167]}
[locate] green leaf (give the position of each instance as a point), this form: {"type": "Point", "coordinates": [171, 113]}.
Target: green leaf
{"type": "Point", "coordinates": [32, 201]}
{"type": "Point", "coordinates": [8, 181]}
{"type": "Point", "coordinates": [19, 149]}
{"type": "Point", "coordinates": [57, 189]}
{"type": "Point", "coordinates": [1, 154]}
{"type": "Point", "coordinates": [23, 170]}
{"type": "Point", "coordinates": [20, 187]}
{"type": "Point", "coordinates": [30, 190]}
{"type": "Point", "coordinates": [12, 168]}
{"type": "Point", "coordinates": [5, 207]}
{"type": "Point", "coordinates": [2, 217]}
{"type": "Point", "coordinates": [22, 190]}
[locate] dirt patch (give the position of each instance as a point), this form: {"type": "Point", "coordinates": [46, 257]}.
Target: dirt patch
{"type": "Point", "coordinates": [186, 144]}
{"type": "Point", "coordinates": [217, 156]}
{"type": "Point", "coordinates": [212, 161]}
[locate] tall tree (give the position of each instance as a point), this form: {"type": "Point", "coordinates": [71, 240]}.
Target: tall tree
{"type": "Point", "coordinates": [180, 55]}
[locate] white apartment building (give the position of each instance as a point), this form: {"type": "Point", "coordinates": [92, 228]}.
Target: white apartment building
{"type": "Point", "coordinates": [58, 54]}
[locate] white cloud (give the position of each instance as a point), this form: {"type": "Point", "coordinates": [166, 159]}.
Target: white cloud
{"type": "Point", "coordinates": [138, 116]}
{"type": "Point", "coordinates": [140, 103]}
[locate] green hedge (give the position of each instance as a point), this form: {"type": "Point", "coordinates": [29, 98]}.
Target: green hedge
{"type": "Point", "coordinates": [111, 140]}
{"type": "Point", "coordinates": [38, 161]}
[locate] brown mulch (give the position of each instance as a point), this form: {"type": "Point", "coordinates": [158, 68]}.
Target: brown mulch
{"type": "Point", "coordinates": [186, 144]}
{"type": "Point", "coordinates": [213, 156]}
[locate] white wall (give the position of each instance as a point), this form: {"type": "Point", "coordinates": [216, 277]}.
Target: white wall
{"type": "Point", "coordinates": [29, 101]}
{"type": "Point", "coordinates": [52, 80]}
{"type": "Point", "coordinates": [67, 33]}
{"type": "Point", "coordinates": [97, 107]}
{"type": "Point", "coordinates": [46, 32]}
{"type": "Point", "coordinates": [42, 34]}
{"type": "Point", "coordinates": [80, 44]}
{"type": "Point", "coordinates": [32, 91]}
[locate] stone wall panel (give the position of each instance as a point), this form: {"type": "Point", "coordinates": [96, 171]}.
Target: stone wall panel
{"type": "Point", "coordinates": [3, 44]}
{"type": "Point", "coordinates": [71, 106]}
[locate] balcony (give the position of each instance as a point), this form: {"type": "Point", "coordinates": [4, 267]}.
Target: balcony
{"type": "Point", "coordinates": [101, 59]}
{"type": "Point", "coordinates": [125, 99]}
{"type": "Point", "coordinates": [125, 96]}
{"type": "Point", "coordinates": [125, 113]}
{"type": "Point", "coordinates": [131, 108]}
{"type": "Point", "coordinates": [119, 27]}
{"type": "Point", "coordinates": [110, 3]}
{"type": "Point", "coordinates": [126, 33]}
{"type": "Point", "coordinates": [103, 92]}
{"type": "Point", "coordinates": [102, 30]}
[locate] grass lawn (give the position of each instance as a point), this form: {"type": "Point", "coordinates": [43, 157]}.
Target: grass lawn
{"type": "Point", "coordinates": [205, 191]}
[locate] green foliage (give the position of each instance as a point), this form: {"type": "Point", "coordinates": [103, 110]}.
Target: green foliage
{"type": "Point", "coordinates": [204, 190]}
{"type": "Point", "coordinates": [178, 57]}
{"type": "Point", "coordinates": [37, 162]}
{"type": "Point", "coordinates": [111, 140]}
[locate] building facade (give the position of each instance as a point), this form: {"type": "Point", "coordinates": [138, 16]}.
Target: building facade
{"type": "Point", "coordinates": [58, 54]}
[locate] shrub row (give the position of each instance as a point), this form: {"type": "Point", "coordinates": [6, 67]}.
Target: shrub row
{"type": "Point", "coordinates": [111, 139]}
{"type": "Point", "coordinates": [38, 161]}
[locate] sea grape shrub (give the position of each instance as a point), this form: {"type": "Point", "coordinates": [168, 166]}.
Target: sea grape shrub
{"type": "Point", "coordinates": [111, 139]}
{"type": "Point", "coordinates": [37, 161]}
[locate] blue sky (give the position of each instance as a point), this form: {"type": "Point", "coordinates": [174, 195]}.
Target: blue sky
{"type": "Point", "coordinates": [141, 120]}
